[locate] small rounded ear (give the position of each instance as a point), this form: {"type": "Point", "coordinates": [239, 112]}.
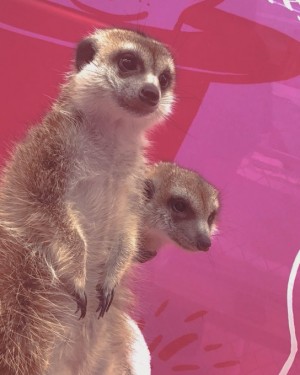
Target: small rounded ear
{"type": "Point", "coordinates": [149, 189]}
{"type": "Point", "coordinates": [85, 52]}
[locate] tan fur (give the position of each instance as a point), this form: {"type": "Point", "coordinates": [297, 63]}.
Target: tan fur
{"type": "Point", "coordinates": [165, 181]}
{"type": "Point", "coordinates": [69, 216]}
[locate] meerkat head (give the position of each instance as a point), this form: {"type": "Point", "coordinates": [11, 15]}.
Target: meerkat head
{"type": "Point", "coordinates": [181, 205]}
{"type": "Point", "coordinates": [125, 74]}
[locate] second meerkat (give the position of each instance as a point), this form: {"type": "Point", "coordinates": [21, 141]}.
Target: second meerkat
{"type": "Point", "coordinates": [69, 207]}
{"type": "Point", "coordinates": [180, 206]}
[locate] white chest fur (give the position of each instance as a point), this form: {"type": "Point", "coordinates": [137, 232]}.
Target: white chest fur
{"type": "Point", "coordinates": [104, 192]}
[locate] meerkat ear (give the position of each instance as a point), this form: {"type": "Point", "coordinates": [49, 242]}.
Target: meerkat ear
{"type": "Point", "coordinates": [85, 52]}
{"type": "Point", "coordinates": [149, 189]}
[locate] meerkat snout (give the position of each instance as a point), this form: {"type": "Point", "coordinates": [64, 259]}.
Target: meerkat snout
{"type": "Point", "coordinates": [203, 242]}
{"type": "Point", "coordinates": [149, 94]}
{"type": "Point", "coordinates": [133, 73]}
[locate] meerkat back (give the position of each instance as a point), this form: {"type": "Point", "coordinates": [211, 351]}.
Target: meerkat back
{"type": "Point", "coordinates": [69, 212]}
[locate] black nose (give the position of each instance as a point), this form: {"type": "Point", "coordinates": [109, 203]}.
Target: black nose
{"type": "Point", "coordinates": [203, 242]}
{"type": "Point", "coordinates": [149, 94]}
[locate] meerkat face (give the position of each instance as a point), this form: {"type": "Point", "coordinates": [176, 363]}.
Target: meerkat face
{"type": "Point", "coordinates": [181, 205]}
{"type": "Point", "coordinates": [126, 73]}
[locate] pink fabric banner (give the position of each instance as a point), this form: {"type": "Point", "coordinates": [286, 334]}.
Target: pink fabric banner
{"type": "Point", "coordinates": [237, 122]}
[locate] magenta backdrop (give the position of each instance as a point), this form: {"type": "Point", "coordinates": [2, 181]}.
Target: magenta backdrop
{"type": "Point", "coordinates": [237, 122]}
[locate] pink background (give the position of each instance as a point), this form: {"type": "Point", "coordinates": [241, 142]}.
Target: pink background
{"type": "Point", "coordinates": [237, 122]}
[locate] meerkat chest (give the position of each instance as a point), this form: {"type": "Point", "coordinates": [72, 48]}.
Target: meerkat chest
{"type": "Point", "coordinates": [108, 156]}
{"type": "Point", "coordinates": [104, 178]}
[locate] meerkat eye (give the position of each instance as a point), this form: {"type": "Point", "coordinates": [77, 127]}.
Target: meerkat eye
{"type": "Point", "coordinates": [128, 62]}
{"type": "Point", "coordinates": [164, 80]}
{"type": "Point", "coordinates": [211, 218]}
{"type": "Point", "coordinates": [178, 205]}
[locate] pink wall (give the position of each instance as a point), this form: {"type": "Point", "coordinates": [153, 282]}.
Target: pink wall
{"type": "Point", "coordinates": [237, 122]}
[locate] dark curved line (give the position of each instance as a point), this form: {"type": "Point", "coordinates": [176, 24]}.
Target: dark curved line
{"type": "Point", "coordinates": [113, 17]}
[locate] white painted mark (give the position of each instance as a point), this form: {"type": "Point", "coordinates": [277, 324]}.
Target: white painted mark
{"type": "Point", "coordinates": [140, 358]}
{"type": "Point", "coordinates": [294, 344]}
{"type": "Point", "coordinates": [286, 3]}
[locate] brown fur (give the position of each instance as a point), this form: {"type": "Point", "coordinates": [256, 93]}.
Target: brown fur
{"type": "Point", "coordinates": [69, 219]}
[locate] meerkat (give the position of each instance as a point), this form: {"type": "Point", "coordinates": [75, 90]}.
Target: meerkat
{"type": "Point", "coordinates": [180, 207]}
{"type": "Point", "coordinates": [69, 209]}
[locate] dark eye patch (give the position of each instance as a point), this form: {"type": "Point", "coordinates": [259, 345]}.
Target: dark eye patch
{"type": "Point", "coordinates": [212, 217]}
{"type": "Point", "coordinates": [165, 79]}
{"type": "Point", "coordinates": [128, 61]}
{"type": "Point", "coordinates": [179, 205]}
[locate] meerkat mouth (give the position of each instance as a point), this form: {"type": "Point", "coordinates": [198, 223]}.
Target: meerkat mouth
{"type": "Point", "coordinates": [137, 107]}
{"type": "Point", "coordinates": [184, 243]}
{"type": "Point", "coordinates": [187, 245]}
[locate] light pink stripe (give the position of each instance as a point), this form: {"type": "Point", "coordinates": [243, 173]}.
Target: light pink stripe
{"type": "Point", "coordinates": [30, 34]}
{"type": "Point", "coordinates": [210, 71]}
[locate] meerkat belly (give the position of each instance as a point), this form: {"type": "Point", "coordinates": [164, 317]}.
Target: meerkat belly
{"type": "Point", "coordinates": [103, 202]}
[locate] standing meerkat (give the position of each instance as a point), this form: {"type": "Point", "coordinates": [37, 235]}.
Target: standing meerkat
{"type": "Point", "coordinates": [69, 209]}
{"type": "Point", "coordinates": [180, 207]}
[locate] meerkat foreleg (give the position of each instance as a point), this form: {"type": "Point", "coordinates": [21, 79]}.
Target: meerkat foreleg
{"type": "Point", "coordinates": [72, 272]}
{"type": "Point", "coordinates": [119, 259]}
{"type": "Point", "coordinates": [66, 260]}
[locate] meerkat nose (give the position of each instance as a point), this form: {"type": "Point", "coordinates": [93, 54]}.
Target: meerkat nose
{"type": "Point", "coordinates": [149, 94]}
{"type": "Point", "coordinates": [203, 242]}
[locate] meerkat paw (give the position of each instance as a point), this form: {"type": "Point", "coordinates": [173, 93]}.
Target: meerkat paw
{"type": "Point", "coordinates": [81, 301]}
{"type": "Point", "coordinates": [105, 296]}
{"type": "Point", "coordinates": [76, 289]}
{"type": "Point", "coordinates": [77, 293]}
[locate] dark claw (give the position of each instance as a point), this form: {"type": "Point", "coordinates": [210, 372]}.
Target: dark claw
{"type": "Point", "coordinates": [105, 297]}
{"type": "Point", "coordinates": [81, 304]}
